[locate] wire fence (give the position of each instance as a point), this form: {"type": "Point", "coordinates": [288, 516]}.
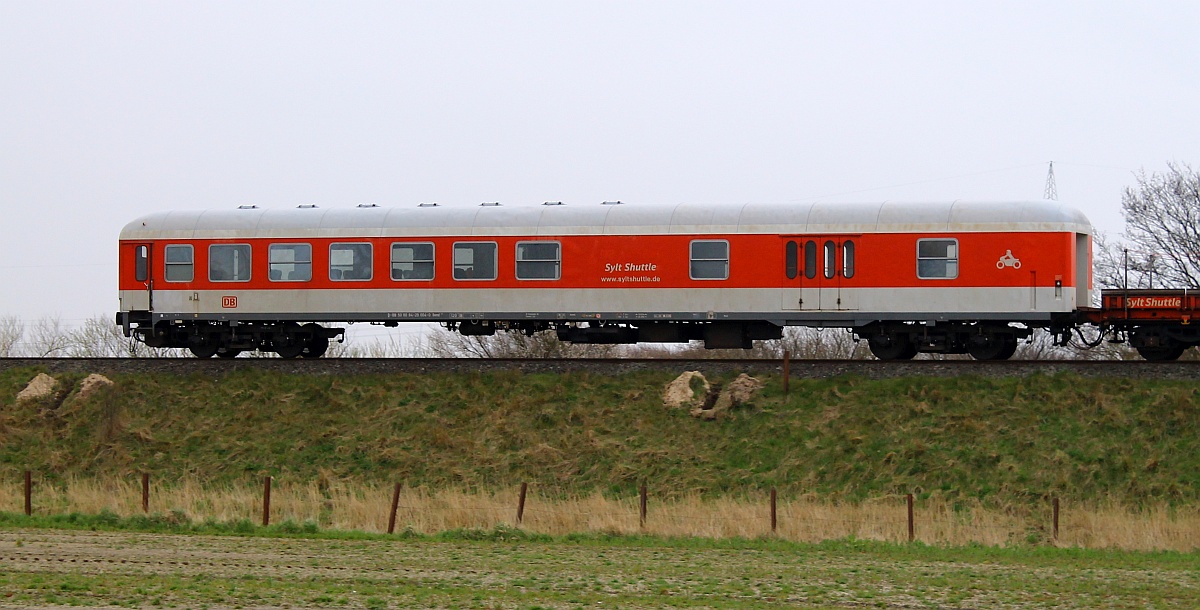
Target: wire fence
{"type": "Point", "coordinates": [372, 507]}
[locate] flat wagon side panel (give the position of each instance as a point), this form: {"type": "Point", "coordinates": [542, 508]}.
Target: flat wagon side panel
{"type": "Point", "coordinates": [1162, 305]}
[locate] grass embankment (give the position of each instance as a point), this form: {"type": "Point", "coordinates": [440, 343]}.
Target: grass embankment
{"type": "Point", "coordinates": [993, 440]}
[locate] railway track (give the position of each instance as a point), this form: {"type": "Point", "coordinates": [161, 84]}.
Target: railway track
{"type": "Point", "coordinates": [1187, 369]}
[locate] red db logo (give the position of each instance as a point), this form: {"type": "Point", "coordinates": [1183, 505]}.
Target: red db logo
{"type": "Point", "coordinates": [229, 302]}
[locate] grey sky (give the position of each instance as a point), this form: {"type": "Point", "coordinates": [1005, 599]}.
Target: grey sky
{"type": "Point", "coordinates": [115, 109]}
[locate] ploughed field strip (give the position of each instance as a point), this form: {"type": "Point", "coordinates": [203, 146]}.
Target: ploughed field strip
{"type": "Point", "coordinates": [55, 568]}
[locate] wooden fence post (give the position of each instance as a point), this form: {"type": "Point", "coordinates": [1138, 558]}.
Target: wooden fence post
{"type": "Point", "coordinates": [1056, 519]}
{"type": "Point", "coordinates": [395, 505]}
{"type": "Point", "coordinates": [773, 512]}
{"type": "Point", "coordinates": [787, 370]}
{"type": "Point", "coordinates": [642, 505]}
{"type": "Point", "coordinates": [266, 501]}
{"type": "Point", "coordinates": [28, 493]}
{"type": "Point", "coordinates": [521, 503]}
{"type": "Point", "coordinates": [911, 535]}
{"type": "Point", "coordinates": [145, 492]}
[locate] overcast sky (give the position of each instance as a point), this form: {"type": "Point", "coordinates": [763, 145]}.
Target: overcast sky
{"type": "Point", "coordinates": [110, 110]}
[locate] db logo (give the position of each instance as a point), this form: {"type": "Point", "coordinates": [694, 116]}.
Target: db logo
{"type": "Point", "coordinates": [229, 302]}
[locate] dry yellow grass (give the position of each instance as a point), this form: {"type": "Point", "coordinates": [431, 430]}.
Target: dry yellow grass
{"type": "Point", "coordinates": [366, 508]}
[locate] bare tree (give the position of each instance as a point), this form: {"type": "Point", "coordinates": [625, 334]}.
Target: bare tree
{"type": "Point", "coordinates": [346, 348]}
{"type": "Point", "coordinates": [11, 331]}
{"type": "Point", "coordinates": [48, 338]}
{"type": "Point", "coordinates": [1117, 263]}
{"type": "Point", "coordinates": [1162, 225]}
{"type": "Point", "coordinates": [822, 344]}
{"type": "Point", "coordinates": [98, 337]}
{"type": "Point", "coordinates": [392, 347]}
{"type": "Point", "coordinates": [1109, 268]}
{"type": "Point", "coordinates": [803, 343]}
{"type": "Point", "coordinates": [511, 345]}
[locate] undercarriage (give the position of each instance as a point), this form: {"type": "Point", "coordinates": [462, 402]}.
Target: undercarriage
{"type": "Point", "coordinates": [904, 340]}
{"type": "Point", "coordinates": [205, 339]}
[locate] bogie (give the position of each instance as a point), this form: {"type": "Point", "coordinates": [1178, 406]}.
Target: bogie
{"type": "Point", "coordinates": [903, 341]}
{"type": "Point", "coordinates": [1161, 354]}
{"type": "Point", "coordinates": [205, 340]}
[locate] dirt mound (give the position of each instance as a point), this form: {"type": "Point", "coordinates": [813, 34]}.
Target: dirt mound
{"type": "Point", "coordinates": [742, 389]}
{"type": "Point", "coordinates": [680, 393]}
{"type": "Point", "coordinates": [90, 385]}
{"type": "Point", "coordinates": [737, 392]}
{"type": "Point", "coordinates": [39, 387]}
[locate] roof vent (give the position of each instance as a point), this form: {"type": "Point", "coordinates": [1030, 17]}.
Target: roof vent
{"type": "Point", "coordinates": [490, 204]}
{"type": "Point", "coordinates": [552, 203]}
{"type": "Point", "coordinates": [427, 205]}
{"type": "Point", "coordinates": [610, 203]}
{"type": "Point", "coordinates": [368, 205]}
{"type": "Point", "coordinates": [247, 207]}
{"type": "Point", "coordinates": [307, 206]}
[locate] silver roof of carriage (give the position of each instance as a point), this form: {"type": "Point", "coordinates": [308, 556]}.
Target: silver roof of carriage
{"type": "Point", "coordinates": [600, 219]}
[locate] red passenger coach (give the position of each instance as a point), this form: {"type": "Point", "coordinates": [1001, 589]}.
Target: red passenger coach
{"type": "Point", "coordinates": [908, 277]}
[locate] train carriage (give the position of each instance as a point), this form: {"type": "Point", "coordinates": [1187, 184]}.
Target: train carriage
{"type": "Point", "coordinates": [953, 277]}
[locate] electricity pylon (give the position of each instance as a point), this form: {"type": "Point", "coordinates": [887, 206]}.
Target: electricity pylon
{"type": "Point", "coordinates": [1051, 188]}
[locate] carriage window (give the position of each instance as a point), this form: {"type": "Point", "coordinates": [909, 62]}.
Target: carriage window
{"type": "Point", "coordinates": [790, 260]}
{"type": "Point", "coordinates": [830, 260]}
{"type": "Point", "coordinates": [412, 261]}
{"type": "Point", "coordinates": [937, 259]}
{"type": "Point", "coordinates": [475, 261]}
{"type": "Point", "coordinates": [810, 259]}
{"type": "Point", "coordinates": [848, 259]}
{"type": "Point", "coordinates": [349, 262]}
{"type": "Point", "coordinates": [141, 263]}
{"type": "Point", "coordinates": [538, 260]}
{"type": "Point", "coordinates": [178, 261]}
{"type": "Point", "coordinates": [229, 263]}
{"type": "Point", "coordinates": [710, 260]}
{"type": "Point", "coordinates": [290, 263]}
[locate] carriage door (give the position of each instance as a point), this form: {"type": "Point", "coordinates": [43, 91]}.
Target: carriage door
{"type": "Point", "coordinates": [1083, 270]}
{"type": "Point", "coordinates": [142, 269]}
{"type": "Point", "coordinates": [818, 272]}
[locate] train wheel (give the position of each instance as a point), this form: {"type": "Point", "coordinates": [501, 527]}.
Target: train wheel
{"type": "Point", "coordinates": [228, 353]}
{"type": "Point", "coordinates": [317, 345]}
{"type": "Point", "coordinates": [892, 347]}
{"type": "Point", "coordinates": [995, 347]}
{"type": "Point", "coordinates": [290, 342]}
{"type": "Point", "coordinates": [203, 351]}
{"type": "Point", "coordinates": [289, 351]}
{"type": "Point", "coordinates": [1010, 347]}
{"type": "Point", "coordinates": [1161, 354]}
